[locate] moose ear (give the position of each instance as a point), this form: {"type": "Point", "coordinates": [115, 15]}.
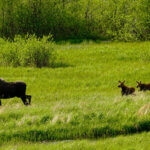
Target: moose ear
{"type": "Point", "coordinates": [137, 81]}
{"type": "Point", "coordinates": [119, 81]}
{"type": "Point", "coordinates": [140, 81]}
{"type": "Point", "coordinates": [123, 81]}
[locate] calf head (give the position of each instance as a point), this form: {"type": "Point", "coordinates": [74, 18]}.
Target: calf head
{"type": "Point", "coordinates": [121, 84]}
{"type": "Point", "coordinates": [139, 84]}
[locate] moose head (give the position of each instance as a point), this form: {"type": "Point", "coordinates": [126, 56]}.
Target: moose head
{"type": "Point", "coordinates": [139, 84]}
{"type": "Point", "coordinates": [121, 84]}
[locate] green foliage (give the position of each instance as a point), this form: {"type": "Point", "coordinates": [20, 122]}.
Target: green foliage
{"type": "Point", "coordinates": [124, 20]}
{"type": "Point", "coordinates": [28, 51]}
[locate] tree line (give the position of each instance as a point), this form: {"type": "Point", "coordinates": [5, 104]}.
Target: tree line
{"type": "Point", "coordinates": [126, 20]}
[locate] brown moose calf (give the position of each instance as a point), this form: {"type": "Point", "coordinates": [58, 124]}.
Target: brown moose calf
{"type": "Point", "coordinates": [142, 86]}
{"type": "Point", "coordinates": [125, 90]}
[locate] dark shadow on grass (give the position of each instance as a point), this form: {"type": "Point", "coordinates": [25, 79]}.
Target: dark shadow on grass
{"type": "Point", "coordinates": [126, 129]}
{"type": "Point", "coordinates": [72, 133]}
{"type": "Point", "coordinates": [79, 41]}
{"type": "Point", "coordinates": [60, 65]}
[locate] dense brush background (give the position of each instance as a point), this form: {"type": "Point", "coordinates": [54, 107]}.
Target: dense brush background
{"type": "Point", "coordinates": [76, 19]}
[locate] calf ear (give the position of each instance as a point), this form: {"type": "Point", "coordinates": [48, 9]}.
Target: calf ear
{"type": "Point", "coordinates": [119, 81]}
{"type": "Point", "coordinates": [137, 82]}
{"type": "Point", "coordinates": [123, 81]}
{"type": "Point", "coordinates": [140, 81]}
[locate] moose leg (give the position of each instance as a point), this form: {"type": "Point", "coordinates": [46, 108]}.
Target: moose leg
{"type": "Point", "coordinates": [24, 100]}
{"type": "Point", "coordinates": [0, 103]}
{"type": "Point", "coordinates": [29, 98]}
{"type": "Point", "coordinates": [122, 93]}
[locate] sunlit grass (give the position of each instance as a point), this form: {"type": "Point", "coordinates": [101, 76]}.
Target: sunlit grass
{"type": "Point", "coordinates": [79, 98]}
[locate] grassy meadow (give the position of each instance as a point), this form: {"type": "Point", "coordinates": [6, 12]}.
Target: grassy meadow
{"type": "Point", "coordinates": [77, 104]}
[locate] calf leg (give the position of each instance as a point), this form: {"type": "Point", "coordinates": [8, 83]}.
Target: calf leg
{"type": "Point", "coordinates": [24, 100]}
{"type": "Point", "coordinates": [0, 103]}
{"type": "Point", "coordinates": [122, 93]}
{"type": "Point", "coordinates": [29, 98]}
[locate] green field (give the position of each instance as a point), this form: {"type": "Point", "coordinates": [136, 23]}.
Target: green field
{"type": "Point", "coordinates": [79, 100]}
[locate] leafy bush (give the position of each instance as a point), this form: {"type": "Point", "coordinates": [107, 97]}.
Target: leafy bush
{"type": "Point", "coordinates": [28, 51]}
{"type": "Point", "coordinates": [123, 20]}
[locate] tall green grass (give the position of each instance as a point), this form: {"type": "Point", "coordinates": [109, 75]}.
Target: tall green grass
{"type": "Point", "coordinates": [135, 142]}
{"type": "Point", "coordinates": [80, 99]}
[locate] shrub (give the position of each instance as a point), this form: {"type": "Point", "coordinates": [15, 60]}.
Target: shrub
{"type": "Point", "coordinates": [28, 51]}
